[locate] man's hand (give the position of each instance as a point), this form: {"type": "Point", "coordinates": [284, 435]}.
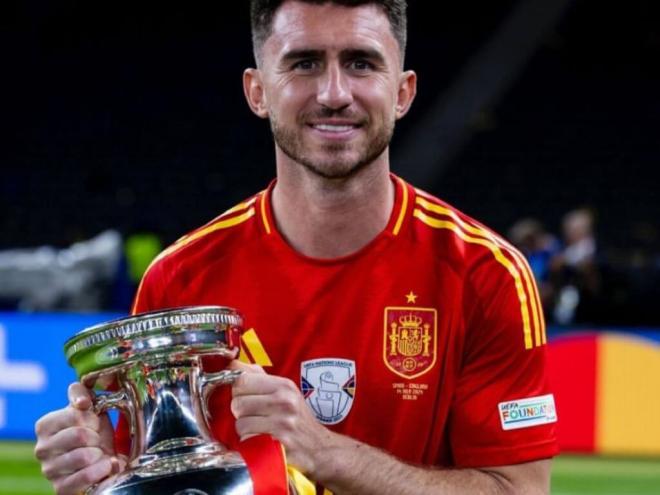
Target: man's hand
{"type": "Point", "coordinates": [273, 405]}
{"type": "Point", "coordinates": [75, 446]}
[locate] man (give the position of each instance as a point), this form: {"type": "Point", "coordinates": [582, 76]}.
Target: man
{"type": "Point", "coordinates": [414, 332]}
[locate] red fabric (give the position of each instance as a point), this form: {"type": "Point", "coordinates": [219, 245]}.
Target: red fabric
{"type": "Point", "coordinates": [265, 460]}
{"type": "Point", "coordinates": [573, 371]}
{"type": "Point", "coordinates": [303, 309]}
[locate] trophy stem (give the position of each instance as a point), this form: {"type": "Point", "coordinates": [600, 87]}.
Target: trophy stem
{"type": "Point", "coordinates": [169, 417]}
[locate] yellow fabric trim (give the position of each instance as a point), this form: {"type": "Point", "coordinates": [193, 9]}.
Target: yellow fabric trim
{"type": "Point", "coordinates": [243, 355]}
{"type": "Point", "coordinates": [497, 253]}
{"type": "Point", "coordinates": [256, 349]}
{"type": "Point", "coordinates": [222, 224]}
{"type": "Point", "coordinates": [233, 209]}
{"type": "Point", "coordinates": [300, 482]}
{"type": "Point", "coordinates": [534, 299]}
{"type": "Point", "coordinates": [239, 207]}
{"type": "Point", "coordinates": [404, 207]}
{"type": "Point", "coordinates": [264, 218]}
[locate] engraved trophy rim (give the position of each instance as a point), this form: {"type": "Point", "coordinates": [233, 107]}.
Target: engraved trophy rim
{"type": "Point", "coordinates": [99, 346]}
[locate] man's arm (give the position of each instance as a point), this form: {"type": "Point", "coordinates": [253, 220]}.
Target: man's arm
{"type": "Point", "coordinates": [353, 467]}
{"type": "Point", "coordinates": [269, 404]}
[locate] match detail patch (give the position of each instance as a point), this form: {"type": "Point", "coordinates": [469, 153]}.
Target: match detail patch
{"type": "Point", "coordinates": [328, 386]}
{"type": "Point", "coordinates": [524, 413]}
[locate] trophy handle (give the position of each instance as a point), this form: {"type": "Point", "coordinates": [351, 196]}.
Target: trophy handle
{"type": "Point", "coordinates": [114, 400]}
{"type": "Point", "coordinates": [102, 402]}
{"type": "Point", "coordinates": [208, 381]}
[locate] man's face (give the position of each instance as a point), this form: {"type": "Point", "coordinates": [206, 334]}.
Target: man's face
{"type": "Point", "coordinates": [331, 84]}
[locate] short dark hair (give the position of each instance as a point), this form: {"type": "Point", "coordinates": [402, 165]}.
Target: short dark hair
{"type": "Point", "coordinates": [262, 13]}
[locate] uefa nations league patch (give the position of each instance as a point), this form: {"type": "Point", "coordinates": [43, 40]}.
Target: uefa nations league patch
{"type": "Point", "coordinates": [524, 413]}
{"type": "Point", "coordinates": [328, 385]}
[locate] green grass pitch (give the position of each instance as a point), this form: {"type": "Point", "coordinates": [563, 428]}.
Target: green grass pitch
{"type": "Point", "coordinates": [572, 475]}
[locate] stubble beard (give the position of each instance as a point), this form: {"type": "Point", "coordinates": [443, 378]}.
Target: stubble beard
{"type": "Point", "coordinates": [334, 165]}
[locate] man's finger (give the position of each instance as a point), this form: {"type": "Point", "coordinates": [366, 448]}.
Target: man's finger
{"type": "Point", "coordinates": [237, 365]}
{"type": "Point", "coordinates": [83, 479]}
{"type": "Point", "coordinates": [70, 462]}
{"type": "Point", "coordinates": [79, 396]}
{"type": "Point", "coordinates": [68, 417]}
{"type": "Point", "coordinates": [70, 439]}
{"type": "Point", "coordinates": [255, 425]}
{"type": "Point", "coordinates": [263, 405]}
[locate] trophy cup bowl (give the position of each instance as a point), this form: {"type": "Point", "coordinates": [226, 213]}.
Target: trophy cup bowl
{"type": "Point", "coordinates": [149, 367]}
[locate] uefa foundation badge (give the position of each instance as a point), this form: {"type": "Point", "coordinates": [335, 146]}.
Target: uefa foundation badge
{"type": "Point", "coordinates": [328, 385]}
{"type": "Point", "coordinates": [531, 411]}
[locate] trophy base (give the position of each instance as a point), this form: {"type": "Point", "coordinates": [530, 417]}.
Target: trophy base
{"type": "Point", "coordinates": [189, 474]}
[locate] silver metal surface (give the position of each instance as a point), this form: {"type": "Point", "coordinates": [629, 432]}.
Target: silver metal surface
{"type": "Point", "coordinates": [134, 327]}
{"type": "Point", "coordinates": [154, 375]}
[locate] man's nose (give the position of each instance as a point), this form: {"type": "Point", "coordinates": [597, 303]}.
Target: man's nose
{"type": "Point", "coordinates": [334, 89]}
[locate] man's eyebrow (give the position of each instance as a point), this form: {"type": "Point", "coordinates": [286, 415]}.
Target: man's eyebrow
{"type": "Point", "coordinates": [293, 55]}
{"type": "Point", "coordinates": [364, 53]}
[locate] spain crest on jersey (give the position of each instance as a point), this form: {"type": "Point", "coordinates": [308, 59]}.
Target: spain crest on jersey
{"type": "Point", "coordinates": [328, 385]}
{"type": "Point", "coordinates": [410, 340]}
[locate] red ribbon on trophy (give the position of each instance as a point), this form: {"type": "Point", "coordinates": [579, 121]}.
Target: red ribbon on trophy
{"type": "Point", "coordinates": [266, 463]}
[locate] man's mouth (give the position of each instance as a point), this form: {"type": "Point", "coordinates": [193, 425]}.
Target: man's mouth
{"type": "Point", "coordinates": [334, 127]}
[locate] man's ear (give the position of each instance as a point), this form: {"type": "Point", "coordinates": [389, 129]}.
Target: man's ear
{"type": "Point", "coordinates": [254, 92]}
{"type": "Point", "coordinates": [407, 92]}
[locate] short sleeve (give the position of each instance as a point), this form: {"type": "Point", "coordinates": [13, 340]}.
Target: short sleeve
{"type": "Point", "coordinates": [503, 409]}
{"type": "Point", "coordinates": [150, 294]}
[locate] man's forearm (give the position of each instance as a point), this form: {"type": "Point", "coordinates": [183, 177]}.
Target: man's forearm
{"type": "Point", "coordinates": [351, 467]}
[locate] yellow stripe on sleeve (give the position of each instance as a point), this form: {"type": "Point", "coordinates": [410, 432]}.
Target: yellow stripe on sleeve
{"type": "Point", "coordinates": [499, 256]}
{"type": "Point", "coordinates": [184, 241]}
{"type": "Point", "coordinates": [239, 207]}
{"type": "Point", "coordinates": [521, 262]}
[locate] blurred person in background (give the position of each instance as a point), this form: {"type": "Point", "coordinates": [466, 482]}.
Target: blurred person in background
{"type": "Point", "coordinates": [575, 273]}
{"type": "Point", "coordinates": [539, 247]}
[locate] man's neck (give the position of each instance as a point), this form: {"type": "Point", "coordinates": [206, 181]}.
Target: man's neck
{"type": "Point", "coordinates": [330, 218]}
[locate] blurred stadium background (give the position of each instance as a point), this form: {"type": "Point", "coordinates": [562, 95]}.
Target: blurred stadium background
{"type": "Point", "coordinates": [123, 126]}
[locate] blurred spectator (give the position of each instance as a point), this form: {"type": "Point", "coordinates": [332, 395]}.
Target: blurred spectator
{"type": "Point", "coordinates": [539, 247]}
{"type": "Point", "coordinates": [575, 273]}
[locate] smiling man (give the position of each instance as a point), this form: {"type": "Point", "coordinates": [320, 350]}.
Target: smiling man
{"type": "Point", "coordinates": [401, 343]}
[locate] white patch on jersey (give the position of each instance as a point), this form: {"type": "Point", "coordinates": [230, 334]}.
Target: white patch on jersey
{"type": "Point", "coordinates": [328, 385]}
{"type": "Point", "coordinates": [523, 413]}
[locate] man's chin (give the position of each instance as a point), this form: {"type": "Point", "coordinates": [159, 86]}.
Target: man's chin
{"type": "Point", "coordinates": [334, 169]}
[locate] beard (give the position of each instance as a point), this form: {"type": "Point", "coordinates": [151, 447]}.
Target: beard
{"type": "Point", "coordinates": [334, 160]}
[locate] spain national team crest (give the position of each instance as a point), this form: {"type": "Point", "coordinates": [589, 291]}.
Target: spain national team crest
{"type": "Point", "coordinates": [328, 385]}
{"type": "Point", "coordinates": [410, 340]}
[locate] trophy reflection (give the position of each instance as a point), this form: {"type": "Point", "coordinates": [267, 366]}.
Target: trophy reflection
{"type": "Point", "coordinates": [149, 367]}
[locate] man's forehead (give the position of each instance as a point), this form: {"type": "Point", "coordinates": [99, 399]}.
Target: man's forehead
{"type": "Point", "coordinates": [326, 27]}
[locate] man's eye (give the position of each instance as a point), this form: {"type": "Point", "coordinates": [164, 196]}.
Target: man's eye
{"type": "Point", "coordinates": [305, 65]}
{"type": "Point", "coordinates": [361, 65]}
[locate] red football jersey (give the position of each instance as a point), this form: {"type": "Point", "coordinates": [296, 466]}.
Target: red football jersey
{"type": "Point", "coordinates": [429, 342]}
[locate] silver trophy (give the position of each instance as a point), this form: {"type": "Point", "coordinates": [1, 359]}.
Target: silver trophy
{"type": "Point", "coordinates": [149, 367]}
